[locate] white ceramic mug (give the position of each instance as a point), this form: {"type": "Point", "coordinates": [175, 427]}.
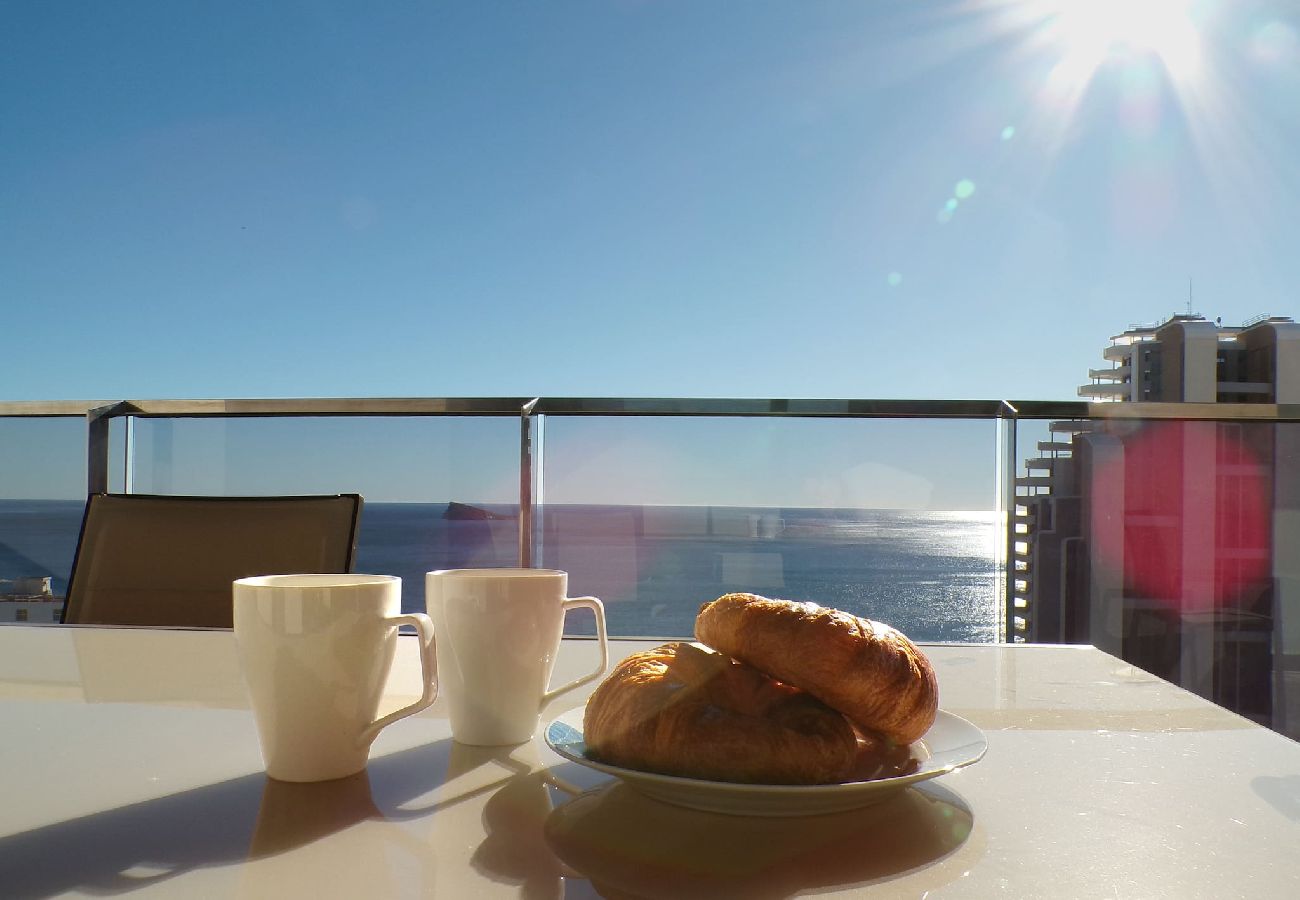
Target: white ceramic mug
{"type": "Point", "coordinates": [498, 633]}
{"type": "Point", "coordinates": [316, 651]}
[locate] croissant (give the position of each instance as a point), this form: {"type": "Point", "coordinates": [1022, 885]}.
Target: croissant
{"type": "Point", "coordinates": [682, 709]}
{"type": "Point", "coordinates": [866, 670]}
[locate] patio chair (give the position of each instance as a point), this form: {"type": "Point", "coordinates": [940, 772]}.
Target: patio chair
{"type": "Point", "coordinates": [169, 561]}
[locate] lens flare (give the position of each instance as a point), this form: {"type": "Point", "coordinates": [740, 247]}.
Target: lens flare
{"type": "Point", "coordinates": [1192, 527]}
{"type": "Point", "coordinates": [1275, 42]}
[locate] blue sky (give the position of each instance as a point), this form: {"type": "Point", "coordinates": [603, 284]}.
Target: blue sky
{"type": "Point", "coordinates": [691, 199]}
{"type": "Point", "coordinates": [946, 199]}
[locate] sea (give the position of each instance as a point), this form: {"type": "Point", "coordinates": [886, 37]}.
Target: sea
{"type": "Point", "coordinates": [932, 574]}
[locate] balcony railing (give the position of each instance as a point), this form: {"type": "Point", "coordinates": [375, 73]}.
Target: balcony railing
{"type": "Point", "coordinates": [1164, 533]}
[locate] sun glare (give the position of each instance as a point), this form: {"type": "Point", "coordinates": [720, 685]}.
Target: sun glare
{"type": "Point", "coordinates": [1182, 96]}
{"type": "Point", "coordinates": [1085, 38]}
{"type": "Point", "coordinates": [1171, 60]}
{"type": "Point", "coordinates": [1097, 29]}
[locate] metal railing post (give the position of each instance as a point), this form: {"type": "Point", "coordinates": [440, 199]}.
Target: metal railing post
{"type": "Point", "coordinates": [1007, 415]}
{"type": "Point", "coordinates": [526, 422]}
{"type": "Point", "coordinates": [98, 420]}
{"type": "Point", "coordinates": [128, 455]}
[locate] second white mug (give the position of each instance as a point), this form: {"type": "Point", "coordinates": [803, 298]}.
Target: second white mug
{"type": "Point", "coordinates": [499, 631]}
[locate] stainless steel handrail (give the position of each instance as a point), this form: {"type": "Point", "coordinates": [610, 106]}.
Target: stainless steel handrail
{"type": "Point", "coordinates": [651, 406]}
{"type": "Point", "coordinates": [48, 408]}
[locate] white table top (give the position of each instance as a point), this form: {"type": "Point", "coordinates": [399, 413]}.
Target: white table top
{"type": "Point", "coordinates": [129, 760]}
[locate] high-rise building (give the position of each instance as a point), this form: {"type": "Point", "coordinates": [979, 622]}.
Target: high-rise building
{"type": "Point", "coordinates": [1189, 359]}
{"type": "Point", "coordinates": [1175, 543]}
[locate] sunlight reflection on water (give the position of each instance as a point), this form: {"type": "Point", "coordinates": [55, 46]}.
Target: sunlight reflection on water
{"type": "Point", "coordinates": [934, 575]}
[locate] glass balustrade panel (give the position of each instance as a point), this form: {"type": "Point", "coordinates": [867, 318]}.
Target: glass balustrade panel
{"type": "Point", "coordinates": [42, 499]}
{"type": "Point", "coordinates": [895, 519]}
{"type": "Point", "coordinates": [1175, 546]}
{"type": "Point", "coordinates": [440, 492]}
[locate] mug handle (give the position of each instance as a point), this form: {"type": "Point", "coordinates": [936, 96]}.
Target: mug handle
{"type": "Point", "coordinates": [428, 670]}
{"type": "Point", "coordinates": [599, 609]}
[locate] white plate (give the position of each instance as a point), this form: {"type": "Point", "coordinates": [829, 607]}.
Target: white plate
{"type": "Point", "coordinates": [951, 743]}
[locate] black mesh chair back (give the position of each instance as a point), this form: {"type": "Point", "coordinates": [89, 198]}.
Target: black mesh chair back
{"type": "Point", "coordinates": [169, 561]}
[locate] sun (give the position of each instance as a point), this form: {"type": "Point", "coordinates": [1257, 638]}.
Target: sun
{"type": "Point", "coordinates": [1153, 79]}
{"type": "Point", "coordinates": [1085, 38]}
{"type": "Point", "coordinates": [1091, 32]}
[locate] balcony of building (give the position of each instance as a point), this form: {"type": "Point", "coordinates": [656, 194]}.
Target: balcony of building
{"type": "Point", "coordinates": [1244, 391]}
{"type": "Point", "coordinates": [1099, 391]}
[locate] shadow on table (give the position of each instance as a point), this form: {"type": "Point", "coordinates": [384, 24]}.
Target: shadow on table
{"type": "Point", "coordinates": [255, 817]}
{"type": "Point", "coordinates": [631, 846]}
{"type": "Point", "coordinates": [488, 830]}
{"type": "Point", "coordinates": [1280, 792]}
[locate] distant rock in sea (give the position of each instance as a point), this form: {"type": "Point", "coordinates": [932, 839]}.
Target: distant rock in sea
{"type": "Point", "coordinates": [466, 513]}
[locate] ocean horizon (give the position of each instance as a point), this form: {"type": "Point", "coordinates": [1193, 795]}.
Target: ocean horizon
{"type": "Point", "coordinates": [932, 574]}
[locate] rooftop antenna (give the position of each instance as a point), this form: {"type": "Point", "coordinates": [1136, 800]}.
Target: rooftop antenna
{"type": "Point", "coordinates": [1189, 295]}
